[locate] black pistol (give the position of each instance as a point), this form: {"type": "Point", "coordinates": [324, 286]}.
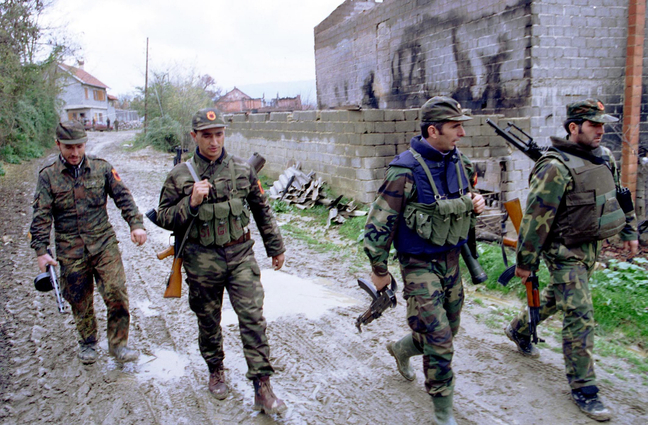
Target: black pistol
{"type": "Point", "coordinates": [380, 301]}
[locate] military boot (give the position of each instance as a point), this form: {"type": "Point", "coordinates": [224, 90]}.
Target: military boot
{"type": "Point", "coordinates": [523, 343]}
{"type": "Point", "coordinates": [124, 354]}
{"type": "Point", "coordinates": [88, 352]}
{"type": "Point", "coordinates": [588, 402]}
{"type": "Point", "coordinates": [443, 410]}
{"type": "Point", "coordinates": [264, 398]}
{"type": "Point", "coordinates": [217, 385]}
{"type": "Point", "coordinates": [402, 351]}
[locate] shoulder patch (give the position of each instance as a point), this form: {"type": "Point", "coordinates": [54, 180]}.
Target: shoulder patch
{"type": "Point", "coordinates": [115, 175]}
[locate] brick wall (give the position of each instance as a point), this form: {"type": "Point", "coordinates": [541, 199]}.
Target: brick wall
{"type": "Point", "coordinates": [350, 150]}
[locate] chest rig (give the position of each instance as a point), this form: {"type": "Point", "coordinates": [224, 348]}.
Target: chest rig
{"type": "Point", "coordinates": [225, 221]}
{"type": "Point", "coordinates": [444, 221]}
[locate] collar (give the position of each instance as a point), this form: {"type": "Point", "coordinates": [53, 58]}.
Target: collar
{"type": "Point", "coordinates": [209, 161]}
{"type": "Point", "coordinates": [421, 146]}
{"type": "Point", "coordinates": [596, 156]}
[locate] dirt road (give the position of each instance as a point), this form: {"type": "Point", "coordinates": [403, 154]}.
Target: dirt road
{"type": "Point", "coordinates": [327, 372]}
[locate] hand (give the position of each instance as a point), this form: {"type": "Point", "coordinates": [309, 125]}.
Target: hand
{"type": "Point", "coordinates": [138, 236]}
{"type": "Point", "coordinates": [278, 260]}
{"type": "Point", "coordinates": [479, 205]}
{"type": "Point", "coordinates": [380, 281]}
{"type": "Point", "coordinates": [200, 192]}
{"type": "Point", "coordinates": [44, 260]}
{"type": "Point", "coordinates": [632, 247]}
{"type": "Point", "coordinates": [524, 274]}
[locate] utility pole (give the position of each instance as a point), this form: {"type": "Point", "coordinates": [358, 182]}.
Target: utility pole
{"type": "Point", "coordinates": [146, 90]}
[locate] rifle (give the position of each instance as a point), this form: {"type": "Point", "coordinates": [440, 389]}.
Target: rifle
{"type": "Point", "coordinates": [380, 301]}
{"type": "Point", "coordinates": [527, 146]}
{"type": "Point", "coordinates": [533, 299]}
{"type": "Point", "coordinates": [47, 281]}
{"type": "Point", "coordinates": [174, 283]}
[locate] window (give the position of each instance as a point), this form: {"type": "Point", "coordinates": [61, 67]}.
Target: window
{"type": "Point", "coordinates": [99, 95]}
{"type": "Point", "coordinates": [86, 92]}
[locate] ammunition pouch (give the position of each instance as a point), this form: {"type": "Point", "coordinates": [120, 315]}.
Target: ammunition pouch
{"type": "Point", "coordinates": [220, 223]}
{"type": "Point", "coordinates": [445, 222]}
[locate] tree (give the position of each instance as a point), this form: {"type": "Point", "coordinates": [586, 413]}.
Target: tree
{"type": "Point", "coordinates": [27, 88]}
{"type": "Point", "coordinates": [175, 96]}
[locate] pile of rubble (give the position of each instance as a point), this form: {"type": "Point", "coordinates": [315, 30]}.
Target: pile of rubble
{"type": "Point", "coordinates": [304, 191]}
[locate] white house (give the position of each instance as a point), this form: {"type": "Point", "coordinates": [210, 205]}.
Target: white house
{"type": "Point", "coordinates": [84, 96]}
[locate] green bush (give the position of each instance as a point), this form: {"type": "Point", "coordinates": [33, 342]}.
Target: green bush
{"type": "Point", "coordinates": [162, 133]}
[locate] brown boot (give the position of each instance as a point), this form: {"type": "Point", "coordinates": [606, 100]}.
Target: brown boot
{"type": "Point", "coordinates": [217, 384]}
{"type": "Point", "coordinates": [264, 398]}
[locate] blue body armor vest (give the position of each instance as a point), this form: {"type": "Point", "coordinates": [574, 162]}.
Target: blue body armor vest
{"type": "Point", "coordinates": [449, 184]}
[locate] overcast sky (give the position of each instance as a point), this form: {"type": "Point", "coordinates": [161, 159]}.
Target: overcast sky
{"type": "Point", "coordinates": [237, 42]}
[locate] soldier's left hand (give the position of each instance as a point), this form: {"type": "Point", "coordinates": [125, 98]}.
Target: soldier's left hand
{"type": "Point", "coordinates": [632, 247]}
{"type": "Point", "coordinates": [278, 260]}
{"type": "Point", "coordinates": [138, 236]}
{"type": "Point", "coordinates": [479, 205]}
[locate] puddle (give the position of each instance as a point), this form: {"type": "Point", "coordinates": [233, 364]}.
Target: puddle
{"type": "Point", "coordinates": [144, 305]}
{"type": "Point", "coordinates": [164, 365]}
{"type": "Point", "coordinates": [288, 295]}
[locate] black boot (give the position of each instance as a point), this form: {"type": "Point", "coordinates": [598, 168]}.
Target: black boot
{"type": "Point", "coordinates": [588, 402]}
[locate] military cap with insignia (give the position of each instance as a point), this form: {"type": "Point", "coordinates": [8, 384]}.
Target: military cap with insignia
{"type": "Point", "coordinates": [207, 118]}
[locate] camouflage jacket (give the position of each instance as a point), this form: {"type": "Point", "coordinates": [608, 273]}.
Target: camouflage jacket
{"type": "Point", "coordinates": [398, 188]}
{"type": "Point", "coordinates": [174, 211]}
{"type": "Point", "coordinates": [549, 181]}
{"type": "Point", "coordinates": [78, 208]}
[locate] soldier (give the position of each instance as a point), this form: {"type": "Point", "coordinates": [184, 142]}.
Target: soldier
{"type": "Point", "coordinates": [72, 192]}
{"type": "Point", "coordinates": [218, 254]}
{"type": "Point", "coordinates": [573, 204]}
{"type": "Point", "coordinates": [426, 206]}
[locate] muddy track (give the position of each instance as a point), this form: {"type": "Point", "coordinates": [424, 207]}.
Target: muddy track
{"type": "Point", "coordinates": [327, 372]}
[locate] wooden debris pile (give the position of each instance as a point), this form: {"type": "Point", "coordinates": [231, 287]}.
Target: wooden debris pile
{"type": "Point", "coordinates": [305, 190]}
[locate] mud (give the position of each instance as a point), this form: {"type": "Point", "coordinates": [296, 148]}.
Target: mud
{"type": "Point", "coordinates": [327, 372]}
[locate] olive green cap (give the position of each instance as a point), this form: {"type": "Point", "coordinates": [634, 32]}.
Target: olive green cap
{"type": "Point", "coordinates": [590, 110]}
{"type": "Point", "coordinates": [207, 118]}
{"type": "Point", "coordinates": [71, 133]}
{"type": "Point", "coordinates": [442, 108]}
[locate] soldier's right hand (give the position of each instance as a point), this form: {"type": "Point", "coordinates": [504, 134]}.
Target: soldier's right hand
{"type": "Point", "coordinates": [199, 193]}
{"type": "Point", "coordinates": [380, 281]}
{"type": "Point", "coordinates": [44, 260]}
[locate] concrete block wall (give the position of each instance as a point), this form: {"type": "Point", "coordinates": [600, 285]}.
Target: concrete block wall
{"type": "Point", "coordinates": [579, 51]}
{"type": "Point", "coordinates": [350, 150]}
{"type": "Point", "coordinates": [520, 58]}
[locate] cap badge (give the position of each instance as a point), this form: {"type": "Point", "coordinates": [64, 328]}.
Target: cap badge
{"type": "Point", "coordinates": [211, 116]}
{"type": "Point", "coordinates": [600, 106]}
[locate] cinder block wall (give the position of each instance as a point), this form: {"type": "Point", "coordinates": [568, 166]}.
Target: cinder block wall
{"type": "Point", "coordinates": [520, 58]}
{"type": "Point", "coordinates": [350, 150]}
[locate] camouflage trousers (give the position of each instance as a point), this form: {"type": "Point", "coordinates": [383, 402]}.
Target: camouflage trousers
{"type": "Point", "coordinates": [569, 292]}
{"type": "Point", "coordinates": [210, 271]}
{"type": "Point", "coordinates": [106, 270]}
{"type": "Point", "coordinates": [435, 297]}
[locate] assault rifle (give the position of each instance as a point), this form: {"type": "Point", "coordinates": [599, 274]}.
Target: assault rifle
{"type": "Point", "coordinates": [174, 283]}
{"type": "Point", "coordinates": [519, 139]}
{"type": "Point", "coordinates": [380, 301]}
{"type": "Point", "coordinates": [48, 281]}
{"type": "Point", "coordinates": [533, 299]}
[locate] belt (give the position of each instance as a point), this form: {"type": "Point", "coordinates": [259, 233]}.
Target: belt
{"type": "Point", "coordinates": [244, 238]}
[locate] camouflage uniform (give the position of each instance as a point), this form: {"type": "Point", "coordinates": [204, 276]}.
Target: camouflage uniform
{"type": "Point", "coordinates": [570, 266]}
{"type": "Point", "coordinates": [86, 245]}
{"type": "Point", "coordinates": [212, 268]}
{"type": "Point", "coordinates": [433, 287]}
